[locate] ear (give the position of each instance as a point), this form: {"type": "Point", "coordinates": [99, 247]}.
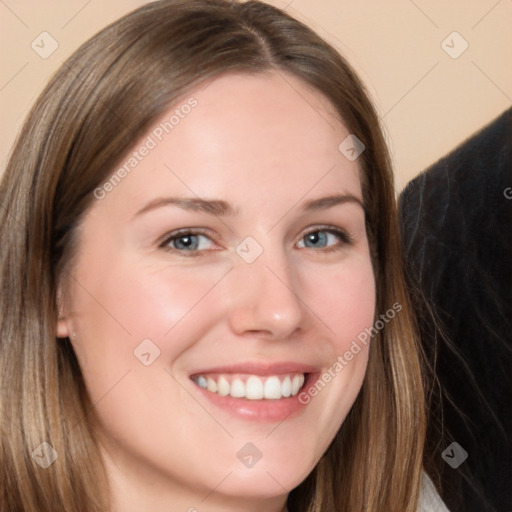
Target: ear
{"type": "Point", "coordinates": [63, 323]}
{"type": "Point", "coordinates": [63, 330]}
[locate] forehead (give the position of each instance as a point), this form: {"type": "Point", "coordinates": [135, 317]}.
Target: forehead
{"type": "Point", "coordinates": [261, 135]}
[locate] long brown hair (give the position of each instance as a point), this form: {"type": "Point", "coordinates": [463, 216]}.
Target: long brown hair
{"type": "Point", "coordinates": [96, 106]}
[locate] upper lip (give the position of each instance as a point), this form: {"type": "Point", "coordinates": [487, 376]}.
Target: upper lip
{"type": "Point", "coordinates": [259, 368]}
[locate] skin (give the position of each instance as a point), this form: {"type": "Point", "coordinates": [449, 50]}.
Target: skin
{"type": "Point", "coordinates": [266, 144]}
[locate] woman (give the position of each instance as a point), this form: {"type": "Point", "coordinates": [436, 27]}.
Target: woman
{"type": "Point", "coordinates": [203, 306]}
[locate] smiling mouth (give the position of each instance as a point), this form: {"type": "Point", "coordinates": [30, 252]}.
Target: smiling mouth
{"type": "Point", "coordinates": [252, 387]}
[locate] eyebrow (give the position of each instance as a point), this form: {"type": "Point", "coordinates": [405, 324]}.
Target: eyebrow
{"type": "Point", "coordinates": [219, 208]}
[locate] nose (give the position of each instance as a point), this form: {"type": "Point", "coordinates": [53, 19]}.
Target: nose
{"type": "Point", "coordinates": [265, 299]}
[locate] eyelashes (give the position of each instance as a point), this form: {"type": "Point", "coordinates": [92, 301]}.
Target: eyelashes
{"type": "Point", "coordinates": [312, 237]}
{"type": "Point", "coordinates": [195, 242]}
{"type": "Point", "coordinates": [188, 239]}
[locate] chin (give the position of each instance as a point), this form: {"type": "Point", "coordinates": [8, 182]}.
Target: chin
{"type": "Point", "coordinates": [265, 481]}
{"type": "Point", "coordinates": [257, 485]}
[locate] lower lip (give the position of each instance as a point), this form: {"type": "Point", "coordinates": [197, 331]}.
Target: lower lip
{"type": "Point", "coordinates": [259, 410]}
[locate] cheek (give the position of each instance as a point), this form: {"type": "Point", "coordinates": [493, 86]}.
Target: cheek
{"type": "Point", "coordinates": [344, 300]}
{"type": "Point", "coordinates": [353, 304]}
{"type": "Point", "coordinates": [129, 310]}
{"type": "Point", "coordinates": [142, 301]}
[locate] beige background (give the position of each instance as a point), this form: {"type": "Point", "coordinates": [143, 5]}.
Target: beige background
{"type": "Point", "coordinates": [429, 102]}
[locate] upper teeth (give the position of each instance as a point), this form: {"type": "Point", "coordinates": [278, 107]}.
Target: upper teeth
{"type": "Point", "coordinates": [252, 387]}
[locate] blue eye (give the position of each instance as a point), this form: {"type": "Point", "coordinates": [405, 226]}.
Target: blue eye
{"type": "Point", "coordinates": [325, 239]}
{"type": "Point", "coordinates": [193, 243]}
{"type": "Point", "coordinates": [187, 241]}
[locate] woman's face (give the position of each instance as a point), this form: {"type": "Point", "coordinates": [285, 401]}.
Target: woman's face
{"type": "Point", "coordinates": [230, 254]}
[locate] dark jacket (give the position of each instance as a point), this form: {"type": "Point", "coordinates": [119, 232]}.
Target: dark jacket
{"type": "Point", "coordinates": [456, 221]}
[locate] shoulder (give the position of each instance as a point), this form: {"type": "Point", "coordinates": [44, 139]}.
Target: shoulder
{"type": "Point", "coordinates": [430, 501]}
